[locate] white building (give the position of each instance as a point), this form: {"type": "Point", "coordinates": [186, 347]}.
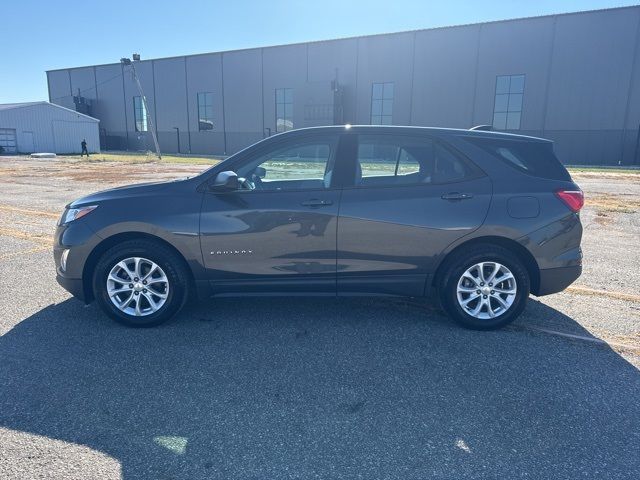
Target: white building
{"type": "Point", "coordinates": [46, 127]}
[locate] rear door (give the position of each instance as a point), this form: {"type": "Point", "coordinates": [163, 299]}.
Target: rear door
{"type": "Point", "coordinates": [410, 198]}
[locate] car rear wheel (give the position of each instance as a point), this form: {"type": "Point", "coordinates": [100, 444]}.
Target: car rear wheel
{"type": "Point", "coordinates": [484, 288]}
{"type": "Point", "coordinates": [140, 283]}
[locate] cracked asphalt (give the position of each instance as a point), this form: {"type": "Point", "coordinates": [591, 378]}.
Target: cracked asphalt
{"type": "Point", "coordinates": [313, 388]}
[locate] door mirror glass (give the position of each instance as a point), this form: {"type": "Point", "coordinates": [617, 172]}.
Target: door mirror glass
{"type": "Point", "coordinates": [226, 181]}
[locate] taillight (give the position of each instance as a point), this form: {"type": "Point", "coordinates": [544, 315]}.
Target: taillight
{"type": "Point", "coordinates": [574, 199]}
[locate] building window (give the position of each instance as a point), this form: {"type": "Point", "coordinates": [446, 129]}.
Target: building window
{"type": "Point", "coordinates": [205, 111]}
{"type": "Point", "coordinates": [284, 109]}
{"type": "Point", "coordinates": [139, 114]}
{"type": "Point", "coordinates": [382, 103]}
{"type": "Point", "coordinates": [507, 109]}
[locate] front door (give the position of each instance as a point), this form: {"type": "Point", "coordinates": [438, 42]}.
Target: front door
{"type": "Point", "coordinates": [277, 233]}
{"type": "Point", "coordinates": [412, 197]}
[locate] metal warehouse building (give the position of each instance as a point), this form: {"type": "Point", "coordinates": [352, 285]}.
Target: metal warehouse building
{"type": "Point", "coordinates": [573, 78]}
{"type": "Point", "coordinates": [45, 127]}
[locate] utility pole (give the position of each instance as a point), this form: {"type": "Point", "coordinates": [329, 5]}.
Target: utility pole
{"type": "Point", "coordinates": [127, 62]}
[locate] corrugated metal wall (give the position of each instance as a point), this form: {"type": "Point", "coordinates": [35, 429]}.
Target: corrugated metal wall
{"type": "Point", "coordinates": [46, 128]}
{"type": "Point", "coordinates": [582, 85]}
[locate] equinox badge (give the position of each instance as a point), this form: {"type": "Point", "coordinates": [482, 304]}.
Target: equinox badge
{"type": "Point", "coordinates": [232, 252]}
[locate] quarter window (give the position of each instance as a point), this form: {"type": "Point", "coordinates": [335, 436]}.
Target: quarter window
{"type": "Point", "coordinates": [507, 107]}
{"type": "Point", "coordinates": [531, 157]}
{"type": "Point", "coordinates": [205, 111]}
{"type": "Point", "coordinates": [382, 103]}
{"type": "Point", "coordinates": [139, 114]}
{"type": "Point", "coordinates": [284, 109]}
{"type": "Point", "coordinates": [406, 160]}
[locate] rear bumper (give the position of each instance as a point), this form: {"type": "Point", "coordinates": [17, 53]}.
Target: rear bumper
{"type": "Point", "coordinates": [554, 280]}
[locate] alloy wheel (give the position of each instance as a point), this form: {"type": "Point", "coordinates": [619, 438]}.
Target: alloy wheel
{"type": "Point", "coordinates": [486, 290]}
{"type": "Point", "coordinates": [137, 286]}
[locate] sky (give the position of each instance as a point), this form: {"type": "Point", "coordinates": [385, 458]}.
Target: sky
{"type": "Point", "coordinates": [45, 35]}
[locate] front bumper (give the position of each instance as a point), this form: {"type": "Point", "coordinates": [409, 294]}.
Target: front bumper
{"type": "Point", "coordinates": [554, 280]}
{"type": "Point", "coordinates": [80, 241]}
{"type": "Point", "coordinates": [74, 286]}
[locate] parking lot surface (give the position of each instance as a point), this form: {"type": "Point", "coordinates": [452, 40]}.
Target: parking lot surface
{"type": "Point", "coordinates": [313, 388]}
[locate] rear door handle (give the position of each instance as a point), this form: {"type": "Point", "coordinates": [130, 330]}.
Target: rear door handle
{"type": "Point", "coordinates": [456, 196]}
{"type": "Point", "coordinates": [315, 202]}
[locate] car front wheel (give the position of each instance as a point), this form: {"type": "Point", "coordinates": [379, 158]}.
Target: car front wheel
{"type": "Point", "coordinates": [140, 283]}
{"type": "Point", "coordinates": [484, 288]}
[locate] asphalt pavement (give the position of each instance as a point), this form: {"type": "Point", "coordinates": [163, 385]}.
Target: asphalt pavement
{"type": "Point", "coordinates": [298, 388]}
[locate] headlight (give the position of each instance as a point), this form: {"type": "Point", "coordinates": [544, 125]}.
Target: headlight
{"type": "Point", "coordinates": [76, 213]}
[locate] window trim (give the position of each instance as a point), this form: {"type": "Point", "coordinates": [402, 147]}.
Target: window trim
{"type": "Point", "coordinates": [205, 106]}
{"type": "Point", "coordinates": [509, 94]}
{"type": "Point", "coordinates": [382, 99]}
{"type": "Point", "coordinates": [142, 109]}
{"type": "Point", "coordinates": [284, 104]}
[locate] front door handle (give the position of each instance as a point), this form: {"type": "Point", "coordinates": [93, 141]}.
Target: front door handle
{"type": "Point", "coordinates": [456, 196]}
{"type": "Point", "coordinates": [315, 202]}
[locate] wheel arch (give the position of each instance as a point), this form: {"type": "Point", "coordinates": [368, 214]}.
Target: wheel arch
{"type": "Point", "coordinates": [107, 243]}
{"type": "Point", "coordinates": [516, 248]}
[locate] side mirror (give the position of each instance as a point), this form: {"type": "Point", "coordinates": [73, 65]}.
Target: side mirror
{"type": "Point", "coordinates": [260, 172]}
{"type": "Point", "coordinates": [226, 181]}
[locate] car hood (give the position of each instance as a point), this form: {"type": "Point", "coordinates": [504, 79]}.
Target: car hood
{"type": "Point", "coordinates": [141, 189]}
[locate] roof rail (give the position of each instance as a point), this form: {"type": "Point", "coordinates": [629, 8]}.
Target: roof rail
{"type": "Point", "coordinates": [484, 128]}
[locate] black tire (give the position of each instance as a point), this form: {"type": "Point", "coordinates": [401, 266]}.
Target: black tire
{"type": "Point", "coordinates": [452, 274]}
{"type": "Point", "coordinates": [172, 265]}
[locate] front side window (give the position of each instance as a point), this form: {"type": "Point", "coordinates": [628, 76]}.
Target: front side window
{"type": "Point", "coordinates": [406, 160]}
{"type": "Point", "coordinates": [139, 114]}
{"type": "Point", "coordinates": [284, 109]}
{"type": "Point", "coordinates": [382, 103]}
{"type": "Point", "coordinates": [303, 164]}
{"type": "Point", "coordinates": [507, 107]}
{"type": "Point", "coordinates": [205, 111]}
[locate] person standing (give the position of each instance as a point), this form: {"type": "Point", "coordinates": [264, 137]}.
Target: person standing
{"type": "Point", "coordinates": [83, 144]}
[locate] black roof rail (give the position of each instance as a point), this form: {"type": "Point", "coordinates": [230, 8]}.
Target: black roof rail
{"type": "Point", "coordinates": [484, 128]}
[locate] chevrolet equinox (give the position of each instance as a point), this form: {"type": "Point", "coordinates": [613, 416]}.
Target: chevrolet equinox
{"type": "Point", "coordinates": [475, 219]}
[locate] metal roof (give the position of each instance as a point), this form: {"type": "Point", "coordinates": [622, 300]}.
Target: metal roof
{"type": "Point", "coordinates": [9, 106]}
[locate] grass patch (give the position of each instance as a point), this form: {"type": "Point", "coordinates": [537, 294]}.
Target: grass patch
{"type": "Point", "coordinates": [143, 158]}
{"type": "Point", "coordinates": [605, 204]}
{"type": "Point", "coordinates": [626, 171]}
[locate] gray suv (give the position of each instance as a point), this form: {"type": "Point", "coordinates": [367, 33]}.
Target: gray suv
{"type": "Point", "coordinates": [475, 219]}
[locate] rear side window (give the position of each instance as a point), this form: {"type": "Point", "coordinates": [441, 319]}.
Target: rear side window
{"type": "Point", "coordinates": [531, 157]}
{"type": "Point", "coordinates": [407, 160]}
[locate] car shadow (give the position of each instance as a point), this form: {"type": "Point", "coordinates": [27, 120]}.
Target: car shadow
{"type": "Point", "coordinates": [302, 388]}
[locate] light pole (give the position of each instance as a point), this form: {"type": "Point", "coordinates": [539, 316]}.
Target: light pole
{"type": "Point", "coordinates": [178, 137]}
{"type": "Point", "coordinates": [127, 62]}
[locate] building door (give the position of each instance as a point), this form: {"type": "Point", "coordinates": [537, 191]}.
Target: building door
{"type": "Point", "coordinates": [26, 143]}
{"type": "Point", "coordinates": [8, 140]}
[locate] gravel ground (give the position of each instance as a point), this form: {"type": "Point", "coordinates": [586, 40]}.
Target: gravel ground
{"type": "Point", "coordinates": [310, 388]}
